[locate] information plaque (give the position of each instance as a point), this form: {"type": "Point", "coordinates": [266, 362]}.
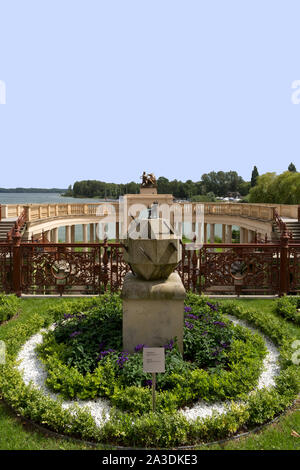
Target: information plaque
{"type": "Point", "coordinates": [154, 360]}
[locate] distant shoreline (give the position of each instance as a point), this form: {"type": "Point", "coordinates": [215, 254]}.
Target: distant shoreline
{"type": "Point", "coordinates": [32, 190]}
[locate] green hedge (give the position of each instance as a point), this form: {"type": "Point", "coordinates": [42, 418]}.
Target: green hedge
{"type": "Point", "coordinates": [289, 308]}
{"type": "Point", "coordinates": [161, 429]}
{"type": "Point", "coordinates": [9, 306]}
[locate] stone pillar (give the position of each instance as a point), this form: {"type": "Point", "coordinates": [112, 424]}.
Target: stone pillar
{"type": "Point", "coordinates": [54, 235]}
{"type": "Point", "coordinates": [212, 233]}
{"type": "Point", "coordinates": [68, 233]}
{"type": "Point", "coordinates": [229, 234]}
{"type": "Point", "coordinates": [92, 233]}
{"type": "Point", "coordinates": [153, 311]}
{"type": "Point", "coordinates": [73, 233]}
{"type": "Point", "coordinates": [101, 231]}
{"type": "Point", "coordinates": [223, 233]}
{"type": "Point", "coordinates": [84, 233]}
{"type": "Point", "coordinates": [241, 235]}
{"type": "Point", "coordinates": [199, 233]}
{"type": "Point", "coordinates": [97, 232]}
{"type": "Point", "coordinates": [251, 237]}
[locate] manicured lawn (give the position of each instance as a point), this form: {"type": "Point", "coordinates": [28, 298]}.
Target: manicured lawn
{"type": "Point", "coordinates": [16, 435]}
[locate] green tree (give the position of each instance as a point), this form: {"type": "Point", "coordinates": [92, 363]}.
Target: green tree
{"type": "Point", "coordinates": [254, 176]}
{"type": "Point", "coordinates": [265, 189]}
{"type": "Point", "coordinates": [163, 185]}
{"type": "Point", "coordinates": [281, 189]}
{"type": "Point", "coordinates": [292, 168]}
{"type": "Point", "coordinates": [244, 188]}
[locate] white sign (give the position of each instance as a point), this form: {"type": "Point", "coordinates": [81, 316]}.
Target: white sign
{"type": "Point", "coordinates": [154, 360]}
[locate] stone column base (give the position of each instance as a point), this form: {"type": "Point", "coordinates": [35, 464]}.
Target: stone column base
{"type": "Point", "coordinates": [153, 311]}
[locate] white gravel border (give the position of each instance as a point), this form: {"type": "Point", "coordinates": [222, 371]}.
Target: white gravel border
{"type": "Point", "coordinates": [34, 371]}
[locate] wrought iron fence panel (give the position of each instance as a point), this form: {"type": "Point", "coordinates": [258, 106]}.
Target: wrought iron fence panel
{"type": "Point", "coordinates": [294, 268]}
{"type": "Point", "coordinates": [6, 268]}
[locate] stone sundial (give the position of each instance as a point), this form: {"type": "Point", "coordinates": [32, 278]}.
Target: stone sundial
{"type": "Point", "coordinates": [153, 295]}
{"type": "Point", "coordinates": [156, 252]}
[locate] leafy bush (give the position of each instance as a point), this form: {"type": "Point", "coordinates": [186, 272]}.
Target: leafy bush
{"type": "Point", "coordinates": [84, 358]}
{"type": "Point", "coordinates": [81, 333]}
{"type": "Point", "coordinates": [289, 308]}
{"type": "Point", "coordinates": [9, 306]}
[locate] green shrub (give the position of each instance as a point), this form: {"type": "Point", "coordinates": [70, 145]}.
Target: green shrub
{"type": "Point", "coordinates": [289, 308]}
{"type": "Point", "coordinates": [9, 306]}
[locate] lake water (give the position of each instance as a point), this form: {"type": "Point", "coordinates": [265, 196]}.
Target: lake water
{"type": "Point", "coordinates": [42, 198]}
{"type": "Point", "coordinates": [55, 198]}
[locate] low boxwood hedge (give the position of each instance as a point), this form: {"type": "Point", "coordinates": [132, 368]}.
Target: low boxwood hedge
{"type": "Point", "coordinates": [289, 308]}
{"type": "Point", "coordinates": [160, 429]}
{"type": "Point", "coordinates": [9, 306]}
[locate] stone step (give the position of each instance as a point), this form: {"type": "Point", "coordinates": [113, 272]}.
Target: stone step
{"type": "Point", "coordinates": [293, 227]}
{"type": "Point", "coordinates": [5, 227]}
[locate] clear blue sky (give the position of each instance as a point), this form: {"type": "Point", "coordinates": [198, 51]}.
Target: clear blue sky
{"type": "Point", "coordinates": [106, 89]}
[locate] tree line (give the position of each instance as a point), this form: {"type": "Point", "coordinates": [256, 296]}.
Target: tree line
{"type": "Point", "coordinates": [32, 190]}
{"type": "Point", "coordinates": [269, 187]}
{"type": "Point", "coordinates": [212, 184]}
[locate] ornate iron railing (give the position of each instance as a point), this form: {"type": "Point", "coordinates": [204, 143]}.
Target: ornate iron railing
{"type": "Point", "coordinates": [281, 225]}
{"type": "Point", "coordinates": [17, 227]}
{"type": "Point", "coordinates": [81, 268]}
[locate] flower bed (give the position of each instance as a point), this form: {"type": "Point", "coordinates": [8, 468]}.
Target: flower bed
{"type": "Point", "coordinates": [84, 359]}
{"type": "Point", "coordinates": [167, 427]}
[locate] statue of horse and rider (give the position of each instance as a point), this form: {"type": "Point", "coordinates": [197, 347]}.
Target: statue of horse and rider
{"type": "Point", "coordinates": [148, 180]}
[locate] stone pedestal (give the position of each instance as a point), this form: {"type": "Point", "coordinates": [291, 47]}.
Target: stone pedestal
{"type": "Point", "coordinates": [148, 190]}
{"type": "Point", "coordinates": [153, 311]}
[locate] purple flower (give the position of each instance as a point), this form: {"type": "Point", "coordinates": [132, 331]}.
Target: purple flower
{"type": "Point", "coordinates": [104, 353]}
{"type": "Point", "coordinates": [212, 306]}
{"type": "Point", "coordinates": [204, 333]}
{"type": "Point", "coordinates": [75, 333]}
{"type": "Point", "coordinates": [139, 347]}
{"type": "Point", "coordinates": [148, 383]}
{"type": "Point", "coordinates": [189, 325]}
{"type": "Point", "coordinates": [187, 309]}
{"type": "Point", "coordinates": [190, 315]}
{"type": "Point", "coordinates": [220, 323]}
{"type": "Point", "coordinates": [169, 346]}
{"type": "Point", "coordinates": [122, 359]}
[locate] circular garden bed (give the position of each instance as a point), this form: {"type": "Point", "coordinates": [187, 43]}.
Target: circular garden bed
{"type": "Point", "coordinates": [75, 379]}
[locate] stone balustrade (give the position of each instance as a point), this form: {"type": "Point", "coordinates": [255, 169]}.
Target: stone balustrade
{"type": "Point", "coordinates": [254, 220]}
{"type": "Point", "coordinates": [43, 211]}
